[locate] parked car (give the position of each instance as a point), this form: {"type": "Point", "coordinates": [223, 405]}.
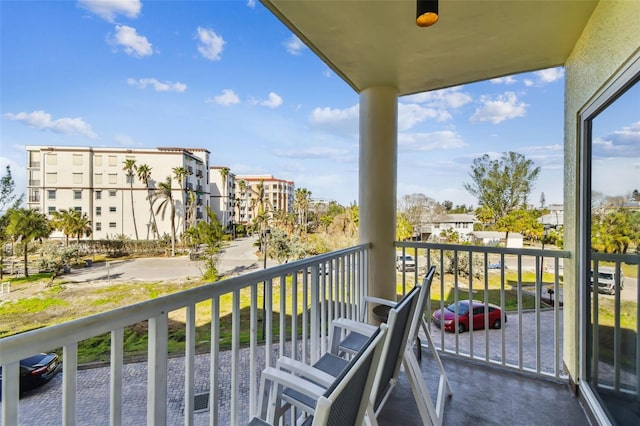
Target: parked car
{"type": "Point", "coordinates": [406, 262]}
{"type": "Point", "coordinates": [495, 316]}
{"type": "Point", "coordinates": [607, 280]}
{"type": "Point", "coordinates": [36, 370]}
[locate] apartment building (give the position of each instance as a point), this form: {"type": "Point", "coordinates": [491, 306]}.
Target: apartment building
{"type": "Point", "coordinates": [93, 181]}
{"type": "Point", "coordinates": [222, 184]}
{"type": "Point", "coordinates": [277, 194]}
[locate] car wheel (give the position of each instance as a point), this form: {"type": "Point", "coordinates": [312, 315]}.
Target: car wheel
{"type": "Point", "coordinates": [461, 328]}
{"type": "Point", "coordinates": [497, 324]}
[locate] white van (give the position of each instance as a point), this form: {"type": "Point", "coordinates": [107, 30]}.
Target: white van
{"type": "Point", "coordinates": [406, 262]}
{"type": "Point", "coordinates": [607, 279]}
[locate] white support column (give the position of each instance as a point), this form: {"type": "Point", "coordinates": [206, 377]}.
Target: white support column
{"type": "Point", "coordinates": [377, 185]}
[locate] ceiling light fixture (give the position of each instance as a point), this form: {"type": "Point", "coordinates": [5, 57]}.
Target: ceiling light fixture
{"type": "Point", "coordinates": [426, 12]}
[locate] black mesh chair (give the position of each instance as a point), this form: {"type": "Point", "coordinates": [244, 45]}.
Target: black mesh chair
{"type": "Point", "coordinates": [343, 402]}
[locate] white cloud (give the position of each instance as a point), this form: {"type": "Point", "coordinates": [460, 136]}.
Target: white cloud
{"type": "Point", "coordinates": [452, 97]}
{"type": "Point", "coordinates": [42, 120]}
{"type": "Point", "coordinates": [528, 82]}
{"type": "Point", "coordinates": [550, 75]}
{"type": "Point", "coordinates": [124, 140]}
{"type": "Point", "coordinates": [158, 86]}
{"type": "Point", "coordinates": [211, 44]}
{"type": "Point", "coordinates": [619, 143]}
{"type": "Point", "coordinates": [131, 42]}
{"type": "Point", "coordinates": [294, 45]}
{"type": "Point", "coordinates": [411, 114]}
{"type": "Point", "coordinates": [109, 9]}
{"type": "Point", "coordinates": [228, 97]}
{"type": "Point", "coordinates": [342, 122]}
{"type": "Point", "coordinates": [504, 80]}
{"type": "Point", "coordinates": [500, 108]}
{"type": "Point", "coordinates": [274, 101]}
{"type": "Point", "coordinates": [445, 139]}
{"type": "Point", "coordinates": [318, 152]}
{"type": "Point", "coordinates": [251, 3]}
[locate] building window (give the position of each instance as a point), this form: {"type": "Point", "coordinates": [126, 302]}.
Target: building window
{"type": "Point", "coordinates": [98, 160]}
{"type": "Point", "coordinates": [77, 195]}
{"type": "Point", "coordinates": [113, 160]}
{"type": "Point", "coordinates": [77, 159]}
{"type": "Point", "coordinates": [112, 193]}
{"type": "Point", "coordinates": [77, 178]}
{"type": "Point", "coordinates": [51, 194]}
{"type": "Point", "coordinates": [52, 159]}
{"type": "Point", "coordinates": [113, 178]}
{"type": "Point", "coordinates": [97, 179]}
{"type": "Point", "coordinates": [52, 178]}
{"type": "Point", "coordinates": [112, 224]}
{"type": "Point", "coordinates": [52, 210]}
{"type": "Point", "coordinates": [98, 226]}
{"type": "Point", "coordinates": [112, 209]}
{"type": "Point", "coordinates": [98, 211]}
{"type": "Point", "coordinates": [78, 209]}
{"type": "Point", "coordinates": [98, 195]}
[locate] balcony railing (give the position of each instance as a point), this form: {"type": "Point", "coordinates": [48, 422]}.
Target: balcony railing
{"type": "Point", "coordinates": [526, 284]}
{"type": "Point", "coordinates": [298, 301]}
{"type": "Point", "coordinates": [34, 182]}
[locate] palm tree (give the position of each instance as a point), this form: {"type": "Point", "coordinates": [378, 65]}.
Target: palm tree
{"type": "Point", "coordinates": [130, 168]}
{"type": "Point", "coordinates": [144, 174]}
{"type": "Point", "coordinates": [63, 220]}
{"type": "Point", "coordinates": [180, 174]}
{"type": "Point", "coordinates": [81, 226]}
{"type": "Point", "coordinates": [301, 204]}
{"type": "Point", "coordinates": [164, 193]}
{"type": "Point", "coordinates": [27, 225]}
{"type": "Point", "coordinates": [242, 201]}
{"type": "Point", "coordinates": [224, 173]}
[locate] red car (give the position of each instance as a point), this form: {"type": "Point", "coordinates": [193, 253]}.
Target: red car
{"type": "Point", "coordinates": [495, 316]}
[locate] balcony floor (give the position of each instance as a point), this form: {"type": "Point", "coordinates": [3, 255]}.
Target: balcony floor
{"type": "Point", "coordinates": [487, 395]}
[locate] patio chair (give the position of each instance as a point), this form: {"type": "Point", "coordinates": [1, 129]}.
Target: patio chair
{"type": "Point", "coordinates": [343, 402]}
{"type": "Point", "coordinates": [330, 364]}
{"type": "Point", "coordinates": [358, 335]}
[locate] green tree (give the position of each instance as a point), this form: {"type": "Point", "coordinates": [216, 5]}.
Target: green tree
{"type": "Point", "coordinates": [301, 203]}
{"type": "Point", "coordinates": [26, 225]}
{"type": "Point", "coordinates": [8, 199]}
{"type": "Point", "coordinates": [210, 235]}
{"type": "Point", "coordinates": [130, 168]}
{"type": "Point", "coordinates": [144, 174]}
{"type": "Point", "coordinates": [64, 221]}
{"type": "Point", "coordinates": [504, 184]}
{"type": "Point", "coordinates": [224, 193]}
{"type": "Point", "coordinates": [180, 175]}
{"type": "Point", "coordinates": [522, 221]}
{"type": "Point", "coordinates": [404, 229]}
{"type": "Point", "coordinates": [164, 194]}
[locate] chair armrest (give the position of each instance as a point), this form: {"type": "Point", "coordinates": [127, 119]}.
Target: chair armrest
{"type": "Point", "coordinates": [306, 371]}
{"type": "Point", "coordinates": [351, 325]}
{"type": "Point", "coordinates": [296, 383]}
{"type": "Point", "coordinates": [380, 301]}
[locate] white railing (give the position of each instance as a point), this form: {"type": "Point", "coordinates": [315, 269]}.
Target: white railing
{"type": "Point", "coordinates": [525, 283]}
{"type": "Point", "coordinates": [303, 297]}
{"type": "Point", "coordinates": [615, 348]}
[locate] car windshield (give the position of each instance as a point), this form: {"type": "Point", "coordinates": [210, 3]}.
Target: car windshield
{"type": "Point", "coordinates": [463, 308]}
{"type": "Point", "coordinates": [605, 276]}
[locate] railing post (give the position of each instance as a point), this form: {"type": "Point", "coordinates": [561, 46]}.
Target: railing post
{"type": "Point", "coordinates": [157, 371]}
{"type": "Point", "coordinates": [117, 358]}
{"type": "Point", "coordinates": [10, 392]}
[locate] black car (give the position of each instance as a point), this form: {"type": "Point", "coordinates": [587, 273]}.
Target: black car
{"type": "Point", "coordinates": [36, 371]}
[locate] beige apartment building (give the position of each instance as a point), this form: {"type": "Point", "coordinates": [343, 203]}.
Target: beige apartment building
{"type": "Point", "coordinates": [93, 181]}
{"type": "Point", "coordinates": [222, 184]}
{"type": "Point", "coordinates": [277, 194]}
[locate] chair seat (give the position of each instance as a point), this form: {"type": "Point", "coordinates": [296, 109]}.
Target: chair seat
{"type": "Point", "coordinates": [353, 342]}
{"type": "Point", "coordinates": [330, 364]}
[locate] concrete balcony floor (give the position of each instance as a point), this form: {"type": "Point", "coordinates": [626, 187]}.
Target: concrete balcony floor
{"type": "Point", "coordinates": [487, 395]}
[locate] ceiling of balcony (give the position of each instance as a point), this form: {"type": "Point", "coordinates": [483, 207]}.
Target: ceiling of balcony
{"type": "Point", "coordinates": [377, 43]}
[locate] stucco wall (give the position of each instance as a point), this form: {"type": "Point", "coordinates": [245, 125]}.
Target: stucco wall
{"type": "Point", "coordinates": [610, 38]}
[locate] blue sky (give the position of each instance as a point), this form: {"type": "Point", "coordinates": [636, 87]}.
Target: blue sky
{"type": "Point", "coordinates": [229, 77]}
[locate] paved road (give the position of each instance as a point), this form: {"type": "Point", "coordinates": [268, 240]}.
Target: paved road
{"type": "Point", "coordinates": [239, 257]}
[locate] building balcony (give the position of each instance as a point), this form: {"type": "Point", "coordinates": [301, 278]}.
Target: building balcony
{"type": "Point", "coordinates": [286, 310]}
{"type": "Point", "coordinates": [34, 182]}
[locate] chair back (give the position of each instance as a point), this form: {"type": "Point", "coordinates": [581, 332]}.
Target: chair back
{"type": "Point", "coordinates": [422, 301]}
{"type": "Point", "coordinates": [399, 322]}
{"type": "Point", "coordinates": [352, 387]}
